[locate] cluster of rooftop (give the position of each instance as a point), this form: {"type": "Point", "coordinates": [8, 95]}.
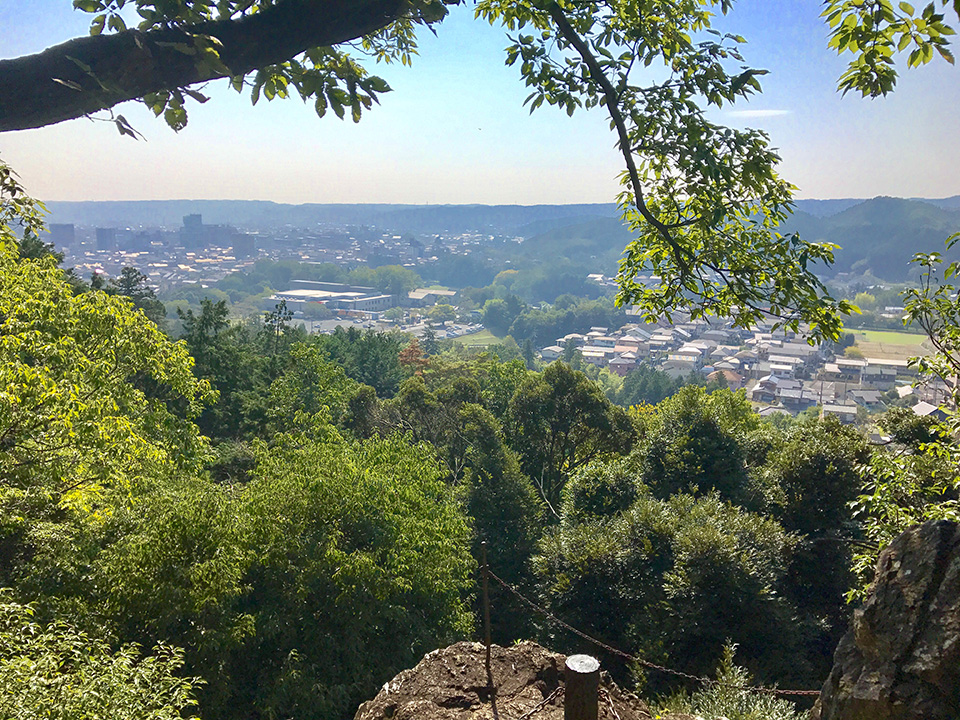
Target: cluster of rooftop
{"type": "Point", "coordinates": [779, 370]}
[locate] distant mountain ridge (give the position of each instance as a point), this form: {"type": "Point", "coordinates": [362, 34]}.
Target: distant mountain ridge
{"type": "Point", "coordinates": [879, 236]}
{"type": "Point", "coordinates": [267, 215]}
{"type": "Point", "coordinates": [883, 234]}
{"type": "Point", "coordinates": [828, 208]}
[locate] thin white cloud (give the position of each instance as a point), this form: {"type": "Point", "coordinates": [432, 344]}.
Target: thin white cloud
{"type": "Point", "coordinates": [758, 113]}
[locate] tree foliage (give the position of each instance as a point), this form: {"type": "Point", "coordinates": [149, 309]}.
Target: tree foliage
{"type": "Point", "coordinates": [544, 325]}
{"type": "Point", "coordinates": [369, 357]}
{"type": "Point", "coordinates": [311, 389]}
{"type": "Point", "coordinates": [236, 359]}
{"type": "Point", "coordinates": [132, 283]}
{"type": "Point", "coordinates": [89, 388]}
{"type": "Point", "coordinates": [506, 513]}
{"type": "Point", "coordinates": [59, 673]}
{"type": "Point", "coordinates": [673, 581]}
{"type": "Point", "coordinates": [297, 594]}
{"type": "Point", "coordinates": [802, 481]}
{"type": "Point", "coordinates": [647, 385]}
{"type": "Point", "coordinates": [380, 546]}
{"type": "Point", "coordinates": [876, 31]}
{"type": "Point", "coordinates": [559, 421]}
{"type": "Point", "coordinates": [499, 314]}
{"type": "Point", "coordinates": [915, 479]}
{"type": "Point", "coordinates": [815, 476]}
{"type": "Point", "coordinates": [694, 445]}
{"type": "Point", "coordinates": [703, 201]}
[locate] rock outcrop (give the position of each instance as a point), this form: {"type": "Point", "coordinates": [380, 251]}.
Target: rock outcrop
{"type": "Point", "coordinates": [901, 658]}
{"type": "Point", "coordinates": [451, 684]}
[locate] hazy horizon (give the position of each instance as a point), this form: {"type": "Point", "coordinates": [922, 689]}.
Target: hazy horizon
{"type": "Point", "coordinates": [458, 204]}
{"type": "Point", "coordinates": [455, 130]}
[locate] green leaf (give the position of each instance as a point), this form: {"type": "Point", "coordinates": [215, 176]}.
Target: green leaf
{"type": "Point", "coordinates": [198, 96]}
{"type": "Point", "coordinates": [116, 23]}
{"type": "Point", "coordinates": [89, 6]}
{"type": "Point", "coordinates": [69, 83]}
{"type": "Point", "coordinates": [377, 84]}
{"type": "Point", "coordinates": [335, 103]}
{"type": "Point", "coordinates": [125, 128]}
{"type": "Point", "coordinates": [176, 117]}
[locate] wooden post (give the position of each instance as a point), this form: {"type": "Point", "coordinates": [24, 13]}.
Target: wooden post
{"type": "Point", "coordinates": [486, 628]}
{"type": "Point", "coordinates": [581, 688]}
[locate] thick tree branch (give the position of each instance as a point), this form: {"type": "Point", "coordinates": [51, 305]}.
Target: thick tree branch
{"type": "Point", "coordinates": [89, 74]}
{"type": "Point", "coordinates": [612, 101]}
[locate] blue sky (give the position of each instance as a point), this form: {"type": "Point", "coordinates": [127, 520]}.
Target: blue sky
{"type": "Point", "coordinates": [454, 130]}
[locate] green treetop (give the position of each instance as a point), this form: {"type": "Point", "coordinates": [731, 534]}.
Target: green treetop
{"type": "Point", "coordinates": [87, 387]}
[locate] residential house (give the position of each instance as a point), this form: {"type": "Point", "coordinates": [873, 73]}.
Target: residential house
{"type": "Point", "coordinates": [846, 414]}
{"type": "Point", "coordinates": [864, 396]}
{"type": "Point", "coordinates": [623, 364]}
{"type": "Point", "coordinates": [733, 380]}
{"type": "Point", "coordinates": [575, 338]}
{"type": "Point", "coordinates": [551, 353]}
{"type": "Point", "coordinates": [925, 409]}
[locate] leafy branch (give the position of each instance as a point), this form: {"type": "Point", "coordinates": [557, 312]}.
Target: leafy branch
{"type": "Point", "coordinates": [875, 32]}
{"type": "Point", "coordinates": [704, 200]}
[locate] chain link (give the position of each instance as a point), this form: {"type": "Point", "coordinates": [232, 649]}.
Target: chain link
{"type": "Point", "coordinates": [542, 704]}
{"type": "Point", "coordinates": [640, 661]}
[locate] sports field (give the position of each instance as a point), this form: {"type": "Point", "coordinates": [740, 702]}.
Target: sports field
{"type": "Point", "coordinates": [891, 344]}
{"type": "Point", "coordinates": [481, 339]}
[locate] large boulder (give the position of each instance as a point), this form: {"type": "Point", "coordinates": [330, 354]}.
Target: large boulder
{"type": "Point", "coordinates": [451, 684]}
{"type": "Point", "coordinates": [901, 658]}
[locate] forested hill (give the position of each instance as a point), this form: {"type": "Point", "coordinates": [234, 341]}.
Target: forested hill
{"type": "Point", "coordinates": [596, 244]}
{"type": "Point", "coordinates": [879, 236]}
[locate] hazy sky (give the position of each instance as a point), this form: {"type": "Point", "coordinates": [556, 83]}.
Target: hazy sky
{"type": "Point", "coordinates": [455, 131]}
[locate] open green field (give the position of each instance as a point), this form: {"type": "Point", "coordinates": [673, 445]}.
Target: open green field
{"type": "Point", "coordinates": [481, 339]}
{"type": "Point", "coordinates": [891, 344]}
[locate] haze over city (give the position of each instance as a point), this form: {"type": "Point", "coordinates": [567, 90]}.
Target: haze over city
{"type": "Point", "coordinates": [455, 130]}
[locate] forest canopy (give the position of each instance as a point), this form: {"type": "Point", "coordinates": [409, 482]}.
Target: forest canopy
{"type": "Point", "coordinates": [264, 522]}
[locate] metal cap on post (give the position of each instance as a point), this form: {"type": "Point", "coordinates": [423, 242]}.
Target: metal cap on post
{"type": "Point", "coordinates": [581, 689]}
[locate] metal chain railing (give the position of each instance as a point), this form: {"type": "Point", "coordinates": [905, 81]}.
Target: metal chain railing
{"type": "Point", "coordinates": [542, 704]}
{"type": "Point", "coordinates": [640, 661]}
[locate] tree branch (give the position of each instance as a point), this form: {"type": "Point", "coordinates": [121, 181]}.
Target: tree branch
{"type": "Point", "coordinates": [89, 74]}
{"type": "Point", "coordinates": [611, 100]}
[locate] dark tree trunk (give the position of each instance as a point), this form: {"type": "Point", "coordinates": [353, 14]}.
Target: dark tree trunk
{"type": "Point", "coordinates": [89, 74]}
